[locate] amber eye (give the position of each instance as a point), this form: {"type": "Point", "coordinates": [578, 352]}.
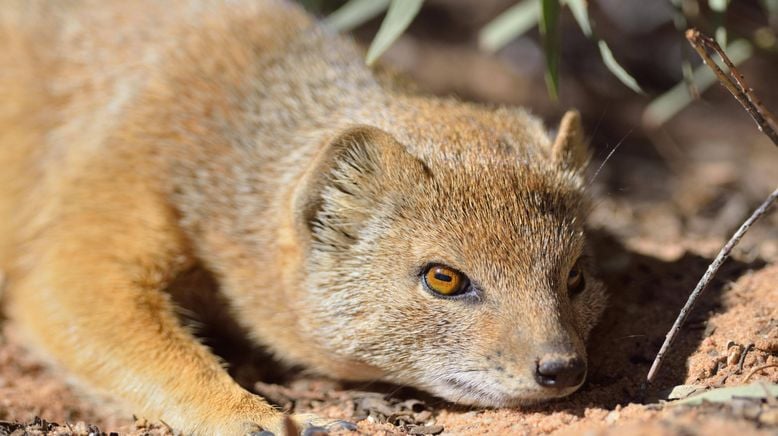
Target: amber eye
{"type": "Point", "coordinates": [575, 280]}
{"type": "Point", "coordinates": [444, 280]}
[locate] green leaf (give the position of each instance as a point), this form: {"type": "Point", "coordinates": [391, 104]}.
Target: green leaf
{"type": "Point", "coordinates": [398, 18]}
{"type": "Point", "coordinates": [509, 25]}
{"type": "Point", "coordinates": [718, 5]}
{"type": "Point", "coordinates": [549, 29]}
{"type": "Point", "coordinates": [725, 395]}
{"type": "Point", "coordinates": [719, 8]}
{"type": "Point", "coordinates": [680, 23]}
{"type": "Point", "coordinates": [355, 13]}
{"type": "Point", "coordinates": [616, 69]}
{"type": "Point", "coordinates": [671, 102]}
{"type": "Point", "coordinates": [771, 6]}
{"type": "Point", "coordinates": [581, 15]}
{"type": "Point", "coordinates": [312, 6]}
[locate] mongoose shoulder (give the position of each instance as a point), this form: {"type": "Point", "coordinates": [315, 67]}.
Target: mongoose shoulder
{"type": "Point", "coordinates": [358, 230]}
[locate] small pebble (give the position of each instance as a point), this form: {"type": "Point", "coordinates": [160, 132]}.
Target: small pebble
{"type": "Point", "coordinates": [342, 425]}
{"type": "Point", "coordinates": [315, 431]}
{"type": "Point", "coordinates": [769, 417]}
{"type": "Point", "coordinates": [733, 354]}
{"type": "Point", "coordinates": [425, 429]}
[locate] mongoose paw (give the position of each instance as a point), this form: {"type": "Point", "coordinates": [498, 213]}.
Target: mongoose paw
{"type": "Point", "coordinates": [306, 424]}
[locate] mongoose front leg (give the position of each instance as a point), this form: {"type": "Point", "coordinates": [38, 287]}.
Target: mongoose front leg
{"type": "Point", "coordinates": [90, 291]}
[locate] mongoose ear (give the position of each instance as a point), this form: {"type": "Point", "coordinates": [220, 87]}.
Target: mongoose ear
{"type": "Point", "coordinates": [346, 177]}
{"type": "Point", "coordinates": [569, 147]}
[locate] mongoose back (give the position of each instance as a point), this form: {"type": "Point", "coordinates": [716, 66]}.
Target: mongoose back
{"type": "Point", "coordinates": [356, 229]}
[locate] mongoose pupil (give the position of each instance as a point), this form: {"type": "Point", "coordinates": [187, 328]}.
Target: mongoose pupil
{"type": "Point", "coordinates": [441, 276]}
{"type": "Point", "coordinates": [445, 281]}
{"type": "Point", "coordinates": [575, 280]}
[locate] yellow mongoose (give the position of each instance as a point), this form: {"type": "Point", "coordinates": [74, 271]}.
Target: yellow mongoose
{"type": "Point", "coordinates": [357, 230]}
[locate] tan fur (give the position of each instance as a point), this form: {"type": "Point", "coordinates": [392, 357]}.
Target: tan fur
{"type": "Point", "coordinates": [140, 138]}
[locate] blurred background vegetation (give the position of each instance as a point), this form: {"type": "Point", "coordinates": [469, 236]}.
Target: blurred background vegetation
{"type": "Point", "coordinates": [691, 162]}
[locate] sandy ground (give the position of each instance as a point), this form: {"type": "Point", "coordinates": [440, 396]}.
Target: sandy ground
{"type": "Point", "coordinates": [665, 203]}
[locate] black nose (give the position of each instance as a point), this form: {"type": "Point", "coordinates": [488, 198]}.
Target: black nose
{"type": "Point", "coordinates": [557, 371]}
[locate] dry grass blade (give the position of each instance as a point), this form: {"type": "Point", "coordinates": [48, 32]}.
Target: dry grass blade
{"type": "Point", "coordinates": [757, 369]}
{"type": "Point", "coordinates": [735, 83]}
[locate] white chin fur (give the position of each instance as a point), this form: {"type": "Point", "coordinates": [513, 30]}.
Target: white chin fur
{"type": "Point", "coordinates": [482, 393]}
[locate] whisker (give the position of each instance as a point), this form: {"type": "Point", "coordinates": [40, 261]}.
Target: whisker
{"type": "Point", "coordinates": [599, 121]}
{"type": "Point", "coordinates": [607, 158]}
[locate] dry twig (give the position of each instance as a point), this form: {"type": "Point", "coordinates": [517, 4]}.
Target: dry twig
{"type": "Point", "coordinates": [706, 278]}
{"type": "Point", "coordinates": [742, 360]}
{"type": "Point", "coordinates": [757, 369]}
{"type": "Point", "coordinates": [766, 122]}
{"type": "Point", "coordinates": [735, 83]}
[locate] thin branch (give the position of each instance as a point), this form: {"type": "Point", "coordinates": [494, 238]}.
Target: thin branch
{"type": "Point", "coordinates": [706, 278]}
{"type": "Point", "coordinates": [765, 121]}
{"type": "Point", "coordinates": [735, 83]}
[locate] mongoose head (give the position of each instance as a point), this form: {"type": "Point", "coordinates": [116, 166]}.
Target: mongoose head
{"type": "Point", "coordinates": [451, 255]}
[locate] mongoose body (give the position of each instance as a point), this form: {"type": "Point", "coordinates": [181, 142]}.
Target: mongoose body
{"type": "Point", "coordinates": [365, 233]}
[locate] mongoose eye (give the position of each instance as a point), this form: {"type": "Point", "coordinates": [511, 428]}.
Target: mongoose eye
{"type": "Point", "coordinates": [445, 281]}
{"type": "Point", "coordinates": [575, 280]}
